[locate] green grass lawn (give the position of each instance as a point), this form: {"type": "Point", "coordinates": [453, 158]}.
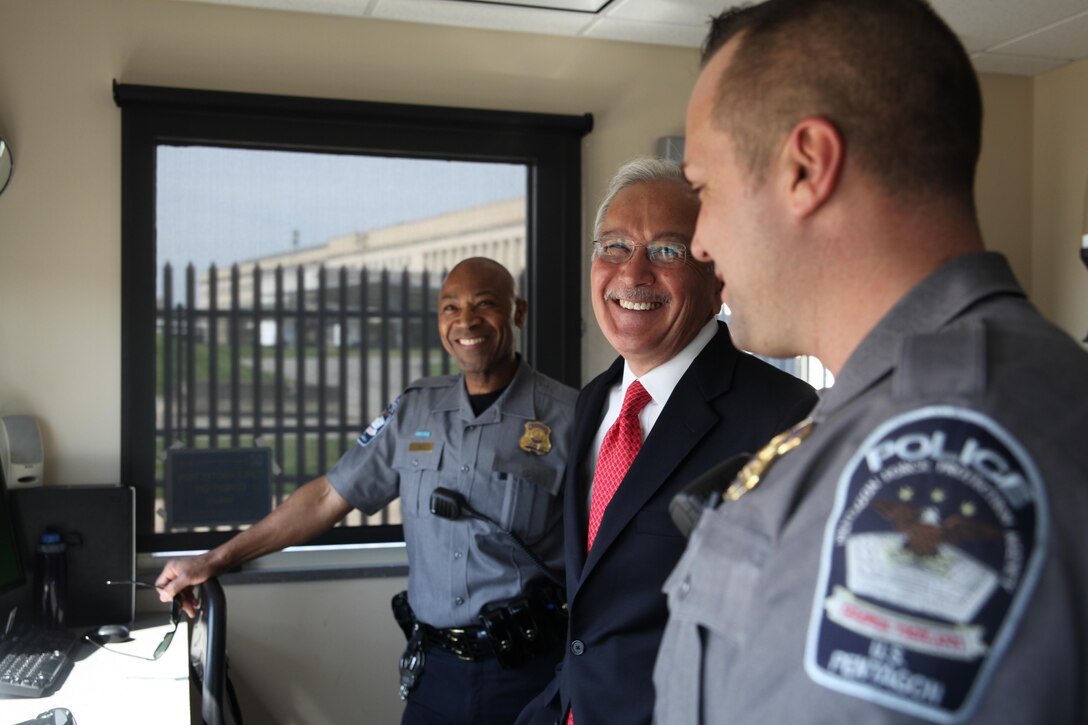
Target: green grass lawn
{"type": "Point", "coordinates": [202, 358]}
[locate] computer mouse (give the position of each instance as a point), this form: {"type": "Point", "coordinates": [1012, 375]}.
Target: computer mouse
{"type": "Point", "coordinates": [108, 633]}
{"type": "Point", "coordinates": [56, 716]}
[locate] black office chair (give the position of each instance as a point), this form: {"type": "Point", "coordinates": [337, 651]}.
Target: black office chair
{"type": "Point", "coordinates": [208, 657]}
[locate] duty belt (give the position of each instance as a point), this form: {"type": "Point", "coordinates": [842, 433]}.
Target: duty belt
{"type": "Point", "coordinates": [515, 632]}
{"type": "Point", "coordinates": [468, 643]}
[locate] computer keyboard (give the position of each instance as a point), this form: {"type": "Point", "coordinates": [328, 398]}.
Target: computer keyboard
{"type": "Point", "coordinates": [32, 658]}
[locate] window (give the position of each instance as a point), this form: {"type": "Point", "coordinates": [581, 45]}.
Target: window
{"type": "Point", "coordinates": [805, 367]}
{"type": "Point", "coordinates": [279, 287]}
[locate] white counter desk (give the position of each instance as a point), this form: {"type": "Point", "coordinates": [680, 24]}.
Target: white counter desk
{"type": "Point", "coordinates": [106, 688]}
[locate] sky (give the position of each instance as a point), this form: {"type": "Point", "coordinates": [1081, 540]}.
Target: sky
{"type": "Point", "coordinates": [217, 205]}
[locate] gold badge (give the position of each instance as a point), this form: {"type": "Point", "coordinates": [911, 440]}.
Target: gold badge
{"type": "Point", "coordinates": [537, 438]}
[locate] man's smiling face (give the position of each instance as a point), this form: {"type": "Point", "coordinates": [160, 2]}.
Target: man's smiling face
{"type": "Point", "coordinates": [648, 312]}
{"type": "Point", "coordinates": [478, 319]}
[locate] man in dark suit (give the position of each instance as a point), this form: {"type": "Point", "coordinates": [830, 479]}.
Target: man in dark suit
{"type": "Point", "coordinates": [706, 401]}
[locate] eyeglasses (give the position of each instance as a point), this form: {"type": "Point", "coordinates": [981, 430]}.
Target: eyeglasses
{"type": "Point", "coordinates": [618, 251]}
{"type": "Point", "coordinates": [175, 618]}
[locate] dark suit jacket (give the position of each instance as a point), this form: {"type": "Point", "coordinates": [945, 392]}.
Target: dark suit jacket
{"type": "Point", "coordinates": [726, 403]}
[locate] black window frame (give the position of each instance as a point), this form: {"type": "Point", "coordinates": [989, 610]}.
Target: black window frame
{"type": "Point", "coordinates": [549, 145]}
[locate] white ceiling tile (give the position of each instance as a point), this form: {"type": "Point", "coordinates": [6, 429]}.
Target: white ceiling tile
{"type": "Point", "coordinates": [1066, 40]}
{"type": "Point", "coordinates": [483, 15]}
{"type": "Point", "coordinates": [985, 23]}
{"type": "Point", "coordinates": [676, 12]}
{"type": "Point", "coordinates": [1019, 65]}
{"type": "Point", "coordinates": [688, 36]}
{"type": "Point", "coordinates": [583, 6]}
{"type": "Point", "coordinates": [1006, 36]}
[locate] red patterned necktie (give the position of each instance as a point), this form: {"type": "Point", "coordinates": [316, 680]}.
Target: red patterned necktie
{"type": "Point", "coordinates": [618, 449]}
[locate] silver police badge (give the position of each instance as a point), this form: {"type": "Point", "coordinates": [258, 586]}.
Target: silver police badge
{"type": "Point", "coordinates": [933, 548]}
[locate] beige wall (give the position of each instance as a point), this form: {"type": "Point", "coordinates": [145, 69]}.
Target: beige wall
{"type": "Point", "coordinates": [316, 653]}
{"type": "Point", "coordinates": [1060, 143]}
{"type": "Point", "coordinates": [1003, 188]}
{"type": "Point", "coordinates": [308, 653]}
{"type": "Point", "coordinates": [60, 219]}
{"type": "Point", "coordinates": [60, 303]}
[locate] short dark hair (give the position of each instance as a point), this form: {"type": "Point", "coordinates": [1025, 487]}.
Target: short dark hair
{"type": "Point", "coordinates": [889, 74]}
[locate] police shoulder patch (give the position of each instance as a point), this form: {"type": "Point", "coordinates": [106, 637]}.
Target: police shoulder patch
{"type": "Point", "coordinates": [379, 423]}
{"type": "Point", "coordinates": [933, 548]}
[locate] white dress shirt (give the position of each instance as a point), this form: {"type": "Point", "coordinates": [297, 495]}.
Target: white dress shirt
{"type": "Point", "coordinates": [659, 383]}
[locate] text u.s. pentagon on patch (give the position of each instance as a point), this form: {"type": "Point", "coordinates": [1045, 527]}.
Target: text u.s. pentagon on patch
{"type": "Point", "coordinates": [378, 423]}
{"type": "Point", "coordinates": [931, 553]}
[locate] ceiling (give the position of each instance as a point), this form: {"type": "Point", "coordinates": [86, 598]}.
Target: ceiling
{"type": "Point", "coordinates": [1022, 37]}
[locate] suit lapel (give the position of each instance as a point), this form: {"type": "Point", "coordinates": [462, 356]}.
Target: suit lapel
{"type": "Point", "coordinates": [684, 422]}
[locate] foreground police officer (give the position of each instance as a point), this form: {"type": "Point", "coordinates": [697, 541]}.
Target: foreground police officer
{"type": "Point", "coordinates": [916, 554]}
{"type": "Point", "coordinates": [486, 450]}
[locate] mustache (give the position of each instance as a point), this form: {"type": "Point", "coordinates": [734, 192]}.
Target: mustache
{"type": "Point", "coordinates": [636, 294]}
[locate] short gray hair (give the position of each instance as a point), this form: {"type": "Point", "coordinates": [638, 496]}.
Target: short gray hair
{"type": "Point", "coordinates": [636, 171]}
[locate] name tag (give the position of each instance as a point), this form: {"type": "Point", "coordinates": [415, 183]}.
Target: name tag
{"type": "Point", "coordinates": [416, 447]}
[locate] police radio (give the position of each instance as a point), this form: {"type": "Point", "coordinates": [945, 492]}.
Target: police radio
{"type": "Point", "coordinates": [1084, 231]}
{"type": "Point", "coordinates": [448, 504]}
{"type": "Point", "coordinates": [1084, 248]}
{"type": "Point", "coordinates": [1084, 238]}
{"type": "Point", "coordinates": [705, 492]}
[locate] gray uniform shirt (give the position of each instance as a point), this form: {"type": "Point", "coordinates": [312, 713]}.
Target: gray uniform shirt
{"type": "Point", "coordinates": [920, 557]}
{"type": "Point", "coordinates": [507, 463]}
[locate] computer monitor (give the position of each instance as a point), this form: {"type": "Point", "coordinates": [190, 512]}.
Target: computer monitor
{"type": "Point", "coordinates": [97, 524]}
{"type": "Point", "coordinates": [12, 575]}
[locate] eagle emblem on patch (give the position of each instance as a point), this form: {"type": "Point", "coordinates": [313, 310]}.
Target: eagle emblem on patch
{"type": "Point", "coordinates": [537, 438]}
{"type": "Point", "coordinates": [932, 550]}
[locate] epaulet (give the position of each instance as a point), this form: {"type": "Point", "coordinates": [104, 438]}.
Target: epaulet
{"type": "Point", "coordinates": [438, 381]}
{"type": "Point", "coordinates": [555, 389]}
{"type": "Point", "coordinates": [950, 361]}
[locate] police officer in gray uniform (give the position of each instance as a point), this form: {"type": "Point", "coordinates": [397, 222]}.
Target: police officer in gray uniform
{"type": "Point", "coordinates": [915, 551]}
{"type": "Point", "coordinates": [477, 460]}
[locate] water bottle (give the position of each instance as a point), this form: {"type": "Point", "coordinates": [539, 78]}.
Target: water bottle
{"type": "Point", "coordinates": [50, 579]}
